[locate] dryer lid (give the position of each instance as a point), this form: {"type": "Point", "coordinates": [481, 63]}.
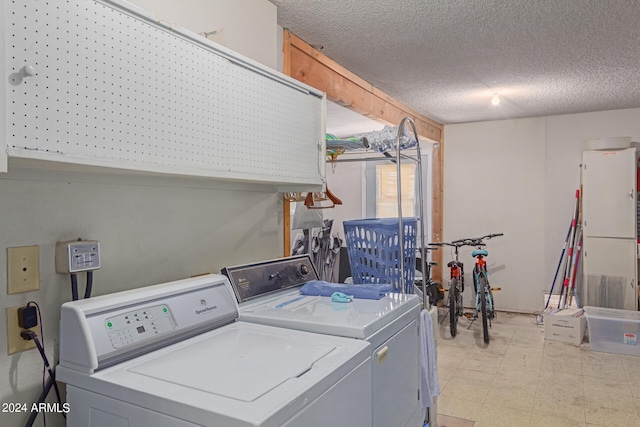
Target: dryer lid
{"type": "Point", "coordinates": [359, 319]}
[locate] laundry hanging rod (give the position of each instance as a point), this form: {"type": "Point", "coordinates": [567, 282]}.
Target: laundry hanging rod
{"type": "Point", "coordinates": [399, 156]}
{"type": "Point", "coordinates": [372, 159]}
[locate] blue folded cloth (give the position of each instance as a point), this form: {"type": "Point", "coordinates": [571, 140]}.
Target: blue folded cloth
{"type": "Point", "coordinates": [326, 289]}
{"type": "Point", "coordinates": [340, 297]}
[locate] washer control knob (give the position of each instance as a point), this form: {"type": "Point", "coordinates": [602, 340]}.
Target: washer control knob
{"type": "Point", "coordinates": [303, 269]}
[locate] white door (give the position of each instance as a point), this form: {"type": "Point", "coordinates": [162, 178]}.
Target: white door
{"type": "Point", "coordinates": [610, 273]}
{"type": "Point", "coordinates": [396, 375]}
{"type": "Point", "coordinates": [609, 193]}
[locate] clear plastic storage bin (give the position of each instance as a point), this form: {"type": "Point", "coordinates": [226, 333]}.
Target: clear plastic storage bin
{"type": "Point", "coordinates": [614, 331]}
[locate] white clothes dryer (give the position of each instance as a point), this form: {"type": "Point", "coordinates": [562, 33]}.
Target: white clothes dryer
{"type": "Point", "coordinates": [175, 355]}
{"type": "Point", "coordinates": [268, 294]}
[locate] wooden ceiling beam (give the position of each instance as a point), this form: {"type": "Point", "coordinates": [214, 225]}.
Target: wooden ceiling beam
{"type": "Point", "coordinates": [308, 65]}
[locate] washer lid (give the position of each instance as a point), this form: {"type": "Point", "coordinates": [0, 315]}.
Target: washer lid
{"type": "Point", "coordinates": [203, 380]}
{"type": "Point", "coordinates": [359, 318]}
{"type": "Point", "coordinates": [267, 359]}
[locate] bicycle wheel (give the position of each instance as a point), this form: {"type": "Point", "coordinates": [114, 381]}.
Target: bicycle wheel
{"type": "Point", "coordinates": [492, 306]}
{"type": "Point", "coordinates": [453, 309]}
{"type": "Point", "coordinates": [482, 288]}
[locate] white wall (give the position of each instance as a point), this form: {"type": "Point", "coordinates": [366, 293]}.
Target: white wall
{"type": "Point", "coordinates": [565, 143]}
{"type": "Point", "coordinates": [248, 27]}
{"type": "Point", "coordinates": [493, 183]}
{"type": "Point", "coordinates": [519, 177]}
{"type": "Point", "coordinates": [346, 182]}
{"type": "Point", "coordinates": [151, 229]}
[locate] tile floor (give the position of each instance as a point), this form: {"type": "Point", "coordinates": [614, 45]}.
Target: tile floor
{"type": "Point", "coordinates": [521, 379]}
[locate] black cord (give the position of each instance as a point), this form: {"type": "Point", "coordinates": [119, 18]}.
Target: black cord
{"type": "Point", "coordinates": [44, 366]}
{"type": "Point", "coordinates": [43, 396]}
{"type": "Point", "coordinates": [74, 287]}
{"type": "Point", "coordinates": [87, 289]}
{"type": "Point", "coordinates": [51, 373]}
{"type": "Point", "coordinates": [30, 335]}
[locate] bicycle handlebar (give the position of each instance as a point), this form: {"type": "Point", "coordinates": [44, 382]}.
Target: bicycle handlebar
{"type": "Point", "coordinates": [490, 236]}
{"type": "Point", "coordinates": [453, 244]}
{"type": "Point", "coordinates": [471, 241]}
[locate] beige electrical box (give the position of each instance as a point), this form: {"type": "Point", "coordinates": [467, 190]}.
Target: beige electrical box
{"type": "Point", "coordinates": [77, 255]}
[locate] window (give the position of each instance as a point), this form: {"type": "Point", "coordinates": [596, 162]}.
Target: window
{"type": "Point", "coordinates": [380, 189]}
{"type": "Point", "coordinates": [387, 190]}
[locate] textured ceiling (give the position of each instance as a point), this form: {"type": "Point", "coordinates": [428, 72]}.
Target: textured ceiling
{"type": "Point", "coordinates": [446, 58]}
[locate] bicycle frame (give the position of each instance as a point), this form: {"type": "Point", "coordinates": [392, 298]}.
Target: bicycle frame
{"type": "Point", "coordinates": [484, 298]}
{"type": "Point", "coordinates": [456, 270]}
{"type": "Point", "coordinates": [481, 267]}
{"type": "Point", "coordinates": [484, 308]}
{"type": "Point", "coordinates": [456, 287]}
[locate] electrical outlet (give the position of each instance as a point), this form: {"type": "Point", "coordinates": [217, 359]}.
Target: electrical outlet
{"type": "Point", "coordinates": [15, 343]}
{"type": "Point", "coordinates": [23, 269]}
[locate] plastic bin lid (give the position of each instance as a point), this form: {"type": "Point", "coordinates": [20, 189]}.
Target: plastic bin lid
{"type": "Point", "coordinates": [601, 312]}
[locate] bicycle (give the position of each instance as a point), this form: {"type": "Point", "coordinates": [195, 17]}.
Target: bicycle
{"type": "Point", "coordinates": [484, 297]}
{"type": "Point", "coordinates": [456, 286]}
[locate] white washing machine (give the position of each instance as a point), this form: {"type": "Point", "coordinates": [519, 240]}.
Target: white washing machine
{"type": "Point", "coordinates": [175, 355]}
{"type": "Point", "coordinates": [268, 294]}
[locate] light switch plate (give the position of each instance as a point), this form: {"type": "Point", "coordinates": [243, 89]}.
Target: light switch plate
{"type": "Point", "coordinates": [23, 269]}
{"type": "Point", "coordinates": [15, 343]}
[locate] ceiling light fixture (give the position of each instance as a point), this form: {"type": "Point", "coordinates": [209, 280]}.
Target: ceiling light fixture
{"type": "Point", "coordinates": [495, 100]}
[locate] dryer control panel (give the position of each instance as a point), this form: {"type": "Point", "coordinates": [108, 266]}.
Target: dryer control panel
{"type": "Point", "coordinates": [262, 278]}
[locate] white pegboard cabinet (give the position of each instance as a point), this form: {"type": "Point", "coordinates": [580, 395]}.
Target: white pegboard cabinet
{"type": "Point", "coordinates": [114, 86]}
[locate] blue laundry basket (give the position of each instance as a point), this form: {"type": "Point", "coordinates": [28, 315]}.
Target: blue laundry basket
{"type": "Point", "coordinates": [373, 246]}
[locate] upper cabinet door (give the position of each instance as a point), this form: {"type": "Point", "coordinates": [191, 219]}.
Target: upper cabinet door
{"type": "Point", "coordinates": [103, 83]}
{"type": "Point", "coordinates": [609, 193]}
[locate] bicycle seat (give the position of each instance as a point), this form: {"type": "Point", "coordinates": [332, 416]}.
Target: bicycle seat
{"type": "Point", "coordinates": [477, 252]}
{"type": "Point", "coordinates": [452, 263]}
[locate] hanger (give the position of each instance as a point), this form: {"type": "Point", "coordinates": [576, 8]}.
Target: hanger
{"type": "Point", "coordinates": [310, 203]}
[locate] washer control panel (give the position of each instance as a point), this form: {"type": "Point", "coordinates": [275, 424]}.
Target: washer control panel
{"type": "Point", "coordinates": [99, 332]}
{"type": "Point", "coordinates": [134, 326]}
